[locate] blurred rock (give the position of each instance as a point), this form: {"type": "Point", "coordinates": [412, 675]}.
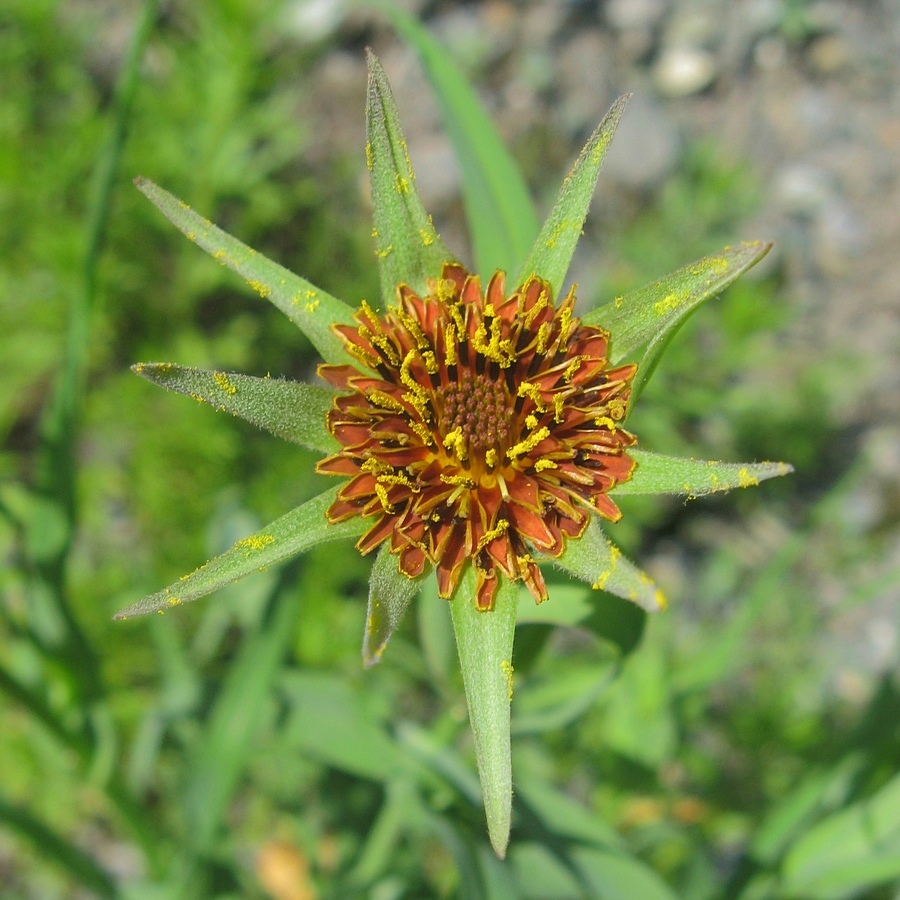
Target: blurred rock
{"type": "Point", "coordinates": [647, 146]}
{"type": "Point", "coordinates": [682, 71]}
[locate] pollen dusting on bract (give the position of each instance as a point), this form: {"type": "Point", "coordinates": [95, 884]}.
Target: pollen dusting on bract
{"type": "Point", "coordinates": [486, 430]}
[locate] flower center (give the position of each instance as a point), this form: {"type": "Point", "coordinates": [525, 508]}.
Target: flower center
{"type": "Point", "coordinates": [479, 407]}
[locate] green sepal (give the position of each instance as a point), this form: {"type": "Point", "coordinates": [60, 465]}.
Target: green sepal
{"type": "Point", "coordinates": [659, 474]}
{"type": "Point", "coordinates": [288, 409]}
{"type": "Point", "coordinates": [653, 311]}
{"type": "Point", "coordinates": [595, 559]}
{"type": "Point", "coordinates": [499, 210]}
{"type": "Point", "coordinates": [552, 252]}
{"type": "Point", "coordinates": [390, 591]}
{"type": "Point", "coordinates": [298, 530]}
{"type": "Point", "coordinates": [310, 308]}
{"type": "Point", "coordinates": [407, 247]}
{"type": "Point", "coordinates": [484, 641]}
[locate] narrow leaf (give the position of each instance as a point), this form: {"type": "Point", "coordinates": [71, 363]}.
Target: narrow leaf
{"type": "Point", "coordinates": [389, 594]}
{"type": "Point", "coordinates": [311, 309]}
{"type": "Point", "coordinates": [407, 247]}
{"type": "Point", "coordinates": [288, 409]}
{"type": "Point", "coordinates": [650, 313]}
{"type": "Point", "coordinates": [849, 851]}
{"type": "Point", "coordinates": [484, 641]}
{"type": "Point", "coordinates": [658, 474]}
{"type": "Point", "coordinates": [499, 211]}
{"type": "Point", "coordinates": [293, 533]}
{"type": "Point", "coordinates": [224, 748]}
{"type": "Point", "coordinates": [55, 849]}
{"type": "Point", "coordinates": [593, 558]}
{"type": "Point", "coordinates": [555, 245]}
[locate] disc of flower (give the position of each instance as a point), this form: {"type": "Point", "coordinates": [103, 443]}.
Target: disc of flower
{"type": "Point", "coordinates": [477, 426]}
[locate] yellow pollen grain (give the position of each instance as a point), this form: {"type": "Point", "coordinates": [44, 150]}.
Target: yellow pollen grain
{"type": "Point", "coordinates": [614, 554]}
{"type": "Point", "coordinates": [424, 434]}
{"type": "Point", "coordinates": [312, 305]}
{"type": "Point", "coordinates": [366, 357]}
{"type": "Point", "coordinates": [527, 445]}
{"type": "Point", "coordinates": [450, 345]}
{"type": "Point", "coordinates": [506, 667]}
{"type": "Point", "coordinates": [559, 402]}
{"type": "Point", "coordinates": [255, 542]}
{"type": "Point", "coordinates": [498, 531]}
{"type": "Point", "coordinates": [224, 382]}
{"type": "Point", "coordinates": [382, 494]}
{"type": "Point", "coordinates": [539, 304]}
{"type": "Point", "coordinates": [616, 408]}
{"type": "Point", "coordinates": [370, 157]}
{"type": "Point", "coordinates": [491, 458]}
{"type": "Point", "coordinates": [458, 481]}
{"type": "Point", "coordinates": [458, 320]}
{"type": "Point", "coordinates": [455, 442]}
{"type": "Point", "coordinates": [427, 237]}
{"type": "Point", "coordinates": [745, 479]}
{"type": "Point", "coordinates": [543, 338]}
{"type": "Point", "coordinates": [618, 302]}
{"type": "Point", "coordinates": [533, 392]}
{"type": "Point", "coordinates": [384, 252]}
{"type": "Point", "coordinates": [531, 421]}
{"type": "Point", "coordinates": [667, 304]}
{"type": "Point", "coordinates": [413, 327]}
{"type": "Point", "coordinates": [431, 364]}
{"type": "Point", "coordinates": [401, 184]}
{"type": "Point", "coordinates": [221, 256]}
{"type": "Point", "coordinates": [573, 367]}
{"type": "Point", "coordinates": [262, 289]}
{"type": "Point", "coordinates": [606, 422]}
{"type": "Point", "coordinates": [543, 464]}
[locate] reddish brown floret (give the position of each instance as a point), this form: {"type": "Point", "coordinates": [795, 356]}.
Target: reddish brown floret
{"type": "Point", "coordinates": [487, 429]}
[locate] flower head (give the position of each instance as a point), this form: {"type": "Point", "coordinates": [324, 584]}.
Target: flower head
{"type": "Point", "coordinates": [488, 430]}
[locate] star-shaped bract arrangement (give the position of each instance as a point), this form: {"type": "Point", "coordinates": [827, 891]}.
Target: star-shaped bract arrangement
{"type": "Point", "coordinates": [479, 428]}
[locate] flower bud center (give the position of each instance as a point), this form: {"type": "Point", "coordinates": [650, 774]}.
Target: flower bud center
{"type": "Point", "coordinates": [480, 408]}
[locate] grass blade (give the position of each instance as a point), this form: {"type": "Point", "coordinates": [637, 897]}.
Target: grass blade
{"type": "Point", "coordinates": [499, 211]}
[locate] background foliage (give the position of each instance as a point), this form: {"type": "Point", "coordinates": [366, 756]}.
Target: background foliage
{"type": "Point", "coordinates": [237, 749]}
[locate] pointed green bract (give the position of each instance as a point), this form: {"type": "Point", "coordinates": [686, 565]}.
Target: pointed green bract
{"type": "Point", "coordinates": [310, 308]}
{"type": "Point", "coordinates": [288, 409]}
{"type": "Point", "coordinates": [659, 474]}
{"type": "Point", "coordinates": [298, 530]}
{"type": "Point", "coordinates": [499, 211]}
{"type": "Point", "coordinates": [484, 641]}
{"type": "Point", "coordinates": [389, 594]}
{"type": "Point", "coordinates": [649, 314]}
{"type": "Point", "coordinates": [555, 245]}
{"type": "Point", "coordinates": [408, 248]}
{"type": "Point", "coordinates": [595, 559]}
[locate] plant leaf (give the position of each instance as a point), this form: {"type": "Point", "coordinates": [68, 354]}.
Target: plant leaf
{"type": "Point", "coordinates": [593, 558]}
{"type": "Point", "coordinates": [390, 591]}
{"type": "Point", "coordinates": [408, 248]}
{"type": "Point", "coordinates": [288, 409]}
{"type": "Point", "coordinates": [555, 245]}
{"type": "Point", "coordinates": [293, 533]}
{"type": "Point", "coordinates": [224, 748]}
{"type": "Point", "coordinates": [573, 606]}
{"type": "Point", "coordinates": [849, 851]}
{"type": "Point", "coordinates": [484, 641]}
{"type": "Point", "coordinates": [310, 308]}
{"type": "Point", "coordinates": [501, 217]}
{"type": "Point", "coordinates": [658, 474]}
{"type": "Point", "coordinates": [649, 314]}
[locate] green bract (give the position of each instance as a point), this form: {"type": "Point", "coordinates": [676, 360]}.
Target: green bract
{"type": "Point", "coordinates": [409, 251]}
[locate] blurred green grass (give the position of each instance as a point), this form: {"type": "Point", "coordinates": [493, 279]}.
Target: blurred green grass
{"type": "Point", "coordinates": [699, 753]}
